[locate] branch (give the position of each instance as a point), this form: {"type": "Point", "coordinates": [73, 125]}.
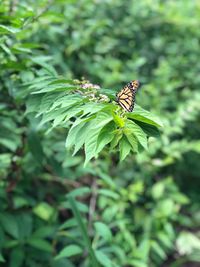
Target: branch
{"type": "Point", "coordinates": [92, 206]}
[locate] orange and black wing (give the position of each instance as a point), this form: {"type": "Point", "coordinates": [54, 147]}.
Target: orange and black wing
{"type": "Point", "coordinates": [126, 97]}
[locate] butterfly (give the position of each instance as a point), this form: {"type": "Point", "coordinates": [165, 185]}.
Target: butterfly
{"type": "Point", "coordinates": [126, 97]}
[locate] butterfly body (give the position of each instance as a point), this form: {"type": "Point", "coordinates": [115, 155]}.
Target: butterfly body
{"type": "Point", "coordinates": [126, 97]}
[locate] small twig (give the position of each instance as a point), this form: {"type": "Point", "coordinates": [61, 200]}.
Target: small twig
{"type": "Point", "coordinates": [45, 9]}
{"type": "Point", "coordinates": [92, 206]}
{"type": "Point", "coordinates": [65, 182]}
{"type": "Point", "coordinates": [13, 7]}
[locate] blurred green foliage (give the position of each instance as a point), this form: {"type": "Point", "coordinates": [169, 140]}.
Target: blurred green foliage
{"type": "Point", "coordinates": [141, 212]}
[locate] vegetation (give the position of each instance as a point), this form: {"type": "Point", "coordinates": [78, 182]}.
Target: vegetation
{"type": "Point", "coordinates": [84, 183]}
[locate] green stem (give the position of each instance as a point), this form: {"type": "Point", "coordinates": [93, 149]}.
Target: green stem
{"type": "Point", "coordinates": [83, 230]}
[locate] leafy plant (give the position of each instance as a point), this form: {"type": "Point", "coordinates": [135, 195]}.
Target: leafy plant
{"type": "Point", "coordinates": [94, 123]}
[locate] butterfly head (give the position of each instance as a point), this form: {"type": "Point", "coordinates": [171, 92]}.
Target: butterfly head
{"type": "Point", "coordinates": [135, 84]}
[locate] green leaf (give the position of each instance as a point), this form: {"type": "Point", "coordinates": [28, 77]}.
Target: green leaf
{"type": "Point", "coordinates": [117, 136]}
{"type": "Point", "coordinates": [103, 259]}
{"type": "Point", "coordinates": [68, 224]}
{"type": "Point", "coordinates": [5, 160]}
{"type": "Point", "coordinates": [17, 256]}
{"type": "Point", "coordinates": [2, 258]}
{"type": "Point", "coordinates": [73, 112]}
{"type": "Point", "coordinates": [43, 62]}
{"type": "Point", "coordinates": [101, 119]}
{"type": "Point", "coordinates": [69, 251]}
{"type": "Point", "coordinates": [79, 191]}
{"type": "Point", "coordinates": [105, 136]}
{"type": "Point", "coordinates": [81, 136]}
{"type": "Point", "coordinates": [44, 231]}
{"type": "Point", "coordinates": [144, 248]}
{"type": "Point", "coordinates": [56, 88]}
{"type": "Point", "coordinates": [8, 29]}
{"type": "Point", "coordinates": [90, 144]}
{"type": "Point", "coordinates": [142, 115]}
{"type": "Point", "coordinates": [84, 232]}
{"type": "Point", "coordinates": [158, 250]}
{"type": "Point", "coordinates": [66, 101]}
{"type": "Point", "coordinates": [133, 128]}
{"type": "Point", "coordinates": [138, 263]}
{"type": "Point", "coordinates": [91, 108]}
{"type": "Point", "coordinates": [132, 140]}
{"type": "Point", "coordinates": [44, 211]}
{"type": "Point", "coordinates": [109, 193]}
{"type": "Point", "coordinates": [33, 104]}
{"type": "Point", "coordinates": [40, 244]}
{"type": "Point", "coordinates": [103, 230]}
{"type": "Point", "coordinates": [47, 101]}
{"type": "Point", "coordinates": [187, 243]}
{"type": "Point", "coordinates": [124, 147]}
{"type": "Point", "coordinates": [82, 207]}
{"type": "Point", "coordinates": [9, 224]}
{"type": "Point", "coordinates": [73, 135]}
{"type": "Point", "coordinates": [34, 143]}
{"type": "Point", "coordinates": [149, 130]}
{"type": "Point", "coordinates": [51, 115]}
{"type": "Point", "coordinates": [91, 139]}
{"type": "Point", "coordinates": [165, 240]}
{"type": "Point", "coordinates": [158, 190]}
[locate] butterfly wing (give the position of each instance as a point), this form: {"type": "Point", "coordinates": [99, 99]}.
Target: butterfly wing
{"type": "Point", "coordinates": [126, 97]}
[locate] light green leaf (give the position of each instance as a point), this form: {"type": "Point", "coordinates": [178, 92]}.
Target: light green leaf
{"type": "Point", "coordinates": [65, 101]}
{"type": "Point", "coordinates": [33, 104]}
{"type": "Point", "coordinates": [158, 190]}
{"type": "Point", "coordinates": [44, 211]}
{"type": "Point", "coordinates": [73, 132]}
{"type": "Point", "coordinates": [90, 145]}
{"type": "Point", "coordinates": [150, 130]}
{"type": "Point", "coordinates": [47, 101]}
{"type": "Point", "coordinates": [132, 140]}
{"type": "Point", "coordinates": [158, 250]}
{"type": "Point", "coordinates": [56, 88]}
{"type": "Point", "coordinates": [165, 240]}
{"type": "Point", "coordinates": [68, 224]}
{"type": "Point", "coordinates": [143, 115]}
{"type": "Point", "coordinates": [81, 136]}
{"type": "Point", "coordinates": [124, 147]}
{"type": "Point", "coordinates": [101, 120]}
{"type": "Point", "coordinates": [103, 230]}
{"type": "Point", "coordinates": [187, 243]}
{"type": "Point", "coordinates": [109, 193]}
{"type": "Point", "coordinates": [117, 136]}
{"type": "Point", "coordinates": [133, 128]}
{"type": "Point", "coordinates": [8, 29]}
{"type": "Point", "coordinates": [138, 263]}
{"type": "Point", "coordinates": [91, 139]}
{"type": "Point", "coordinates": [91, 108]}
{"type": "Point", "coordinates": [40, 244]}
{"type": "Point", "coordinates": [103, 259]}
{"type": "Point", "coordinates": [105, 136]}
{"type": "Point", "coordinates": [69, 251]}
{"type": "Point", "coordinates": [82, 207]}
{"type": "Point", "coordinates": [80, 191]}
{"type": "Point", "coordinates": [2, 258]}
